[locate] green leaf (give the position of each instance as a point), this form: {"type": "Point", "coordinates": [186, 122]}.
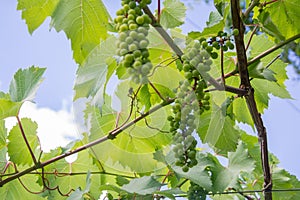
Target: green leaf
{"type": "Point", "coordinates": [84, 22]}
{"type": "Point", "coordinates": [214, 18]}
{"type": "Point", "coordinates": [263, 87]}
{"type": "Point", "coordinates": [78, 194]}
{"type": "Point", "coordinates": [17, 148]}
{"type": "Point", "coordinates": [239, 161]}
{"type": "Point", "coordinates": [262, 90]}
{"type": "Point", "coordinates": [173, 14]}
{"type": "Point", "coordinates": [283, 179]}
{"type": "Point", "coordinates": [217, 129]}
{"type": "Point", "coordinates": [171, 193]}
{"type": "Point", "coordinates": [244, 117]}
{"type": "Point", "coordinates": [133, 149]}
{"type": "Point", "coordinates": [144, 97]}
{"type": "Point", "coordinates": [269, 26]}
{"type": "Point", "coordinates": [9, 108]}
{"type": "Point", "coordinates": [120, 180]}
{"type": "Point", "coordinates": [83, 164]}
{"type": "Point", "coordinates": [286, 16]}
{"type": "Point", "coordinates": [142, 186]}
{"type": "Point", "coordinates": [3, 148]}
{"type": "Point", "coordinates": [36, 11]}
{"type": "Point", "coordinates": [25, 83]}
{"type": "Point", "coordinates": [15, 190]}
{"type": "Point", "coordinates": [257, 70]}
{"type": "Point", "coordinates": [95, 72]}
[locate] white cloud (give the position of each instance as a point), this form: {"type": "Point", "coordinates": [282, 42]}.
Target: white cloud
{"type": "Point", "coordinates": [55, 128]}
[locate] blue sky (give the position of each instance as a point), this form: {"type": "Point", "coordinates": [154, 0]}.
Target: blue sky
{"type": "Point", "coordinates": [50, 49]}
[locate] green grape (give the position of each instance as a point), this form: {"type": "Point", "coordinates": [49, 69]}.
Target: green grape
{"type": "Point", "coordinates": [137, 53]}
{"type": "Point", "coordinates": [140, 20]}
{"type": "Point", "coordinates": [132, 4]}
{"type": "Point", "coordinates": [204, 44]}
{"type": "Point", "coordinates": [123, 28]}
{"type": "Point", "coordinates": [133, 26]}
{"type": "Point", "coordinates": [224, 48]}
{"type": "Point", "coordinates": [235, 32]}
{"type": "Point", "coordinates": [214, 55]}
{"type": "Point", "coordinates": [143, 44]}
{"type": "Point", "coordinates": [209, 48]}
{"type": "Point", "coordinates": [229, 44]}
{"type": "Point", "coordinates": [215, 44]}
{"type": "Point", "coordinates": [185, 168]}
{"type": "Point", "coordinates": [129, 58]}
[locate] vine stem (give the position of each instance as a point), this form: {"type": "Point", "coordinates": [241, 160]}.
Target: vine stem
{"type": "Point", "coordinates": [251, 103]}
{"type": "Point", "coordinates": [26, 141]}
{"type": "Point", "coordinates": [111, 135]}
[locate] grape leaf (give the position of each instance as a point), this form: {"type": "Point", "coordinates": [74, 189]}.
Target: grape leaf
{"type": "Point", "coordinates": [84, 22]}
{"type": "Point", "coordinates": [173, 14]}
{"type": "Point", "coordinates": [269, 26]}
{"type": "Point", "coordinates": [263, 87]}
{"type": "Point", "coordinates": [3, 148]}
{"type": "Point", "coordinates": [95, 72]}
{"type": "Point", "coordinates": [83, 164]}
{"type": "Point", "coordinates": [217, 129]}
{"type": "Point", "coordinates": [17, 148]}
{"type": "Point", "coordinates": [36, 11]}
{"type": "Point", "coordinates": [120, 180]}
{"type": "Point", "coordinates": [142, 186]}
{"type": "Point", "coordinates": [239, 161]}
{"type": "Point", "coordinates": [25, 83]}
{"type": "Point", "coordinates": [79, 193]}
{"type": "Point", "coordinates": [144, 97]}
{"type": "Point", "coordinates": [245, 116]}
{"type": "Point", "coordinates": [283, 179]}
{"type": "Point", "coordinates": [9, 108]}
{"type": "Point", "coordinates": [133, 149]}
{"type": "Point", "coordinates": [15, 190]}
{"type": "Point", "coordinates": [286, 15]}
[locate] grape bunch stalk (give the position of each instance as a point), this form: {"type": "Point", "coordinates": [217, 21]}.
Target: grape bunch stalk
{"type": "Point", "coordinates": [133, 26]}
{"type": "Point", "coordinates": [190, 103]}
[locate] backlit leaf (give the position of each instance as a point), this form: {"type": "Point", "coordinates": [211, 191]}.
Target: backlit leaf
{"type": "Point", "coordinates": [84, 22]}
{"type": "Point", "coordinates": [173, 14]}
{"type": "Point", "coordinates": [142, 186]}
{"type": "Point", "coordinates": [95, 72]}
{"type": "Point", "coordinates": [25, 83]}
{"type": "Point", "coordinates": [17, 148]}
{"type": "Point", "coordinates": [36, 11]}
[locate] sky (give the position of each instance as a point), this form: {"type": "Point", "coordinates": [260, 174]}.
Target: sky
{"type": "Point", "coordinates": [53, 108]}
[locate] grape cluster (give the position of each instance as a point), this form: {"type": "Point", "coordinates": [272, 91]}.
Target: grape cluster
{"type": "Point", "coordinates": [221, 41]}
{"type": "Point", "coordinates": [190, 103]}
{"type": "Point", "coordinates": [183, 124]}
{"type": "Point", "coordinates": [133, 26]}
{"type": "Point", "coordinates": [196, 61]}
{"type": "Point", "coordinates": [196, 192]}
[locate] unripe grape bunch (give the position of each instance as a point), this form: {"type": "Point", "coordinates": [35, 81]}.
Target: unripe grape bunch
{"type": "Point", "coordinates": [133, 26]}
{"type": "Point", "coordinates": [221, 41]}
{"type": "Point", "coordinates": [190, 103]}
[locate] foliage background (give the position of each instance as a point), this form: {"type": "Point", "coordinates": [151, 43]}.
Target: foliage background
{"type": "Point", "coordinates": [21, 50]}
